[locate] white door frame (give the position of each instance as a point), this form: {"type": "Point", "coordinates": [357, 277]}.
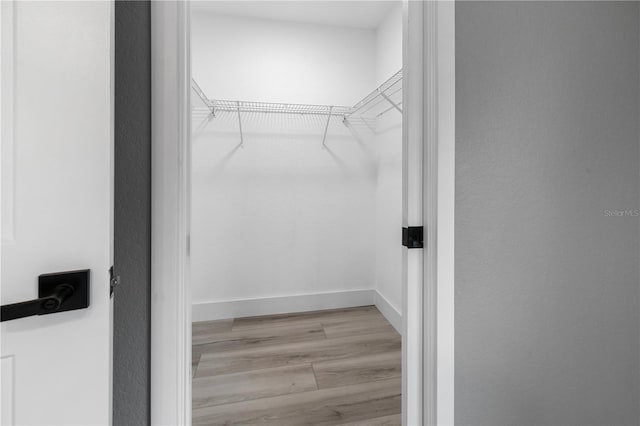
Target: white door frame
{"type": "Point", "coordinates": [428, 351]}
{"type": "Point", "coordinates": [170, 201]}
{"type": "Point", "coordinates": [439, 89]}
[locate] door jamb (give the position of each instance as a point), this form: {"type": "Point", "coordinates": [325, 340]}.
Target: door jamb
{"type": "Point", "coordinates": [171, 290]}
{"type": "Point", "coordinates": [170, 203]}
{"type": "Point", "coordinates": [439, 213]}
{"type": "Point", "coordinates": [413, 276]}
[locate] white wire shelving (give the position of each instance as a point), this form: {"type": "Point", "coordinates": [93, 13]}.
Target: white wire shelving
{"type": "Point", "coordinates": [383, 94]}
{"type": "Point", "coordinates": [375, 104]}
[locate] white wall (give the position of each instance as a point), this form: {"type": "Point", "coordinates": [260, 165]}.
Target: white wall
{"type": "Point", "coordinates": [389, 45]}
{"type": "Point", "coordinates": [276, 61]}
{"type": "Point", "coordinates": [388, 148]}
{"type": "Point", "coordinates": [281, 216]}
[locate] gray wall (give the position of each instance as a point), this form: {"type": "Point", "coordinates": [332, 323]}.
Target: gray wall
{"type": "Point", "coordinates": [132, 313]}
{"type": "Point", "coordinates": [547, 285]}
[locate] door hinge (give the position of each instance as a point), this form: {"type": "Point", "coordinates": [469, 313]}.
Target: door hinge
{"type": "Point", "coordinates": [413, 237]}
{"type": "Point", "coordinates": [114, 280]}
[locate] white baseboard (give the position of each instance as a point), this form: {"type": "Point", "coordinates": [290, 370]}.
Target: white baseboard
{"type": "Point", "coordinates": [209, 311]}
{"type": "Point", "coordinates": [390, 313]}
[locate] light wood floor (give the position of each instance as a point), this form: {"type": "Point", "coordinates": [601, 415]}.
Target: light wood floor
{"type": "Point", "coordinates": [337, 367]}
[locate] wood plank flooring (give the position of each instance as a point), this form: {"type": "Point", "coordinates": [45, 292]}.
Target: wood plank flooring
{"type": "Point", "coordinates": [336, 367]}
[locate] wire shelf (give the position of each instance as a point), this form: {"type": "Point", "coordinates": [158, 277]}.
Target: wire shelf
{"type": "Point", "coordinates": [277, 108]}
{"type": "Point", "coordinates": [381, 94]}
{"type": "Point", "coordinates": [384, 98]}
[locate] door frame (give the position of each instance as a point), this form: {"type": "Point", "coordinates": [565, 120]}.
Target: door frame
{"type": "Point", "coordinates": [170, 201]}
{"type": "Point", "coordinates": [429, 145]}
{"type": "Point", "coordinates": [439, 89]}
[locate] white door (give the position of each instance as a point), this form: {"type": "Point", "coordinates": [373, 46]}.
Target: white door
{"type": "Point", "coordinates": [56, 207]}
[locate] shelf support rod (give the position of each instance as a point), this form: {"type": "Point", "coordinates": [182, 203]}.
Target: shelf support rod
{"type": "Point", "coordinates": [326, 127]}
{"type": "Point", "coordinates": [389, 100]}
{"type": "Point", "coordinates": [240, 124]}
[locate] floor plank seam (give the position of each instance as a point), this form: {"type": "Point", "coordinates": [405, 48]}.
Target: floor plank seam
{"type": "Point", "coordinates": [315, 377]}
{"type": "Point", "coordinates": [382, 379]}
{"type": "Point", "coordinates": [324, 330]}
{"type": "Point", "coordinates": [306, 392]}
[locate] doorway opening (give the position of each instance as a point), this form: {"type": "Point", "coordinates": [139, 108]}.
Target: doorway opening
{"type": "Point", "coordinates": [296, 262]}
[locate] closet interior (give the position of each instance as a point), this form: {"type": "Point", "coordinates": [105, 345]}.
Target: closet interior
{"type": "Point", "coordinates": [296, 212]}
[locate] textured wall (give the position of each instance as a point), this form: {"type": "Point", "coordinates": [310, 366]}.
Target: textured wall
{"type": "Point", "coordinates": [547, 283]}
{"type": "Point", "coordinates": [132, 328]}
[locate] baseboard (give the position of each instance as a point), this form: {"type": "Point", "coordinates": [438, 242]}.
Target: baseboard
{"type": "Point", "coordinates": [209, 311]}
{"type": "Point", "coordinates": [390, 313]}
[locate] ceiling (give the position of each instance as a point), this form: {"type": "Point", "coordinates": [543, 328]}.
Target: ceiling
{"type": "Point", "coordinates": [364, 14]}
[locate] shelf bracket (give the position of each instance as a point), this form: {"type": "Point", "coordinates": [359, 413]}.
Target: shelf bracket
{"type": "Point", "coordinates": [203, 97]}
{"type": "Point", "coordinates": [389, 100]}
{"type": "Point", "coordinates": [240, 124]}
{"type": "Point", "coordinates": [326, 127]}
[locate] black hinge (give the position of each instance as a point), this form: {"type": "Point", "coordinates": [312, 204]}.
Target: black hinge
{"type": "Point", "coordinates": [412, 237]}
{"type": "Point", "coordinates": [114, 280]}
